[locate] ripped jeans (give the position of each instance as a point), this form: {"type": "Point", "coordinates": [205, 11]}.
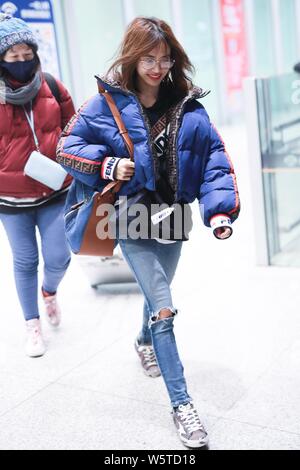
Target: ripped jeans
{"type": "Point", "coordinates": [154, 266]}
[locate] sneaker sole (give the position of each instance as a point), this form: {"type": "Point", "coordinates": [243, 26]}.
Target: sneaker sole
{"type": "Point", "coordinates": [35, 355]}
{"type": "Point", "coordinates": [54, 325]}
{"type": "Point", "coordinates": [195, 445]}
{"type": "Point", "coordinates": [204, 444]}
{"type": "Point", "coordinates": [150, 374]}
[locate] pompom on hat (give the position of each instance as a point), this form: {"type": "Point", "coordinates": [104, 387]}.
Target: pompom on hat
{"type": "Point", "coordinates": [15, 31]}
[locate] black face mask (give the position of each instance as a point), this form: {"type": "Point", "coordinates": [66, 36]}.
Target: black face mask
{"type": "Point", "coordinates": [21, 71]}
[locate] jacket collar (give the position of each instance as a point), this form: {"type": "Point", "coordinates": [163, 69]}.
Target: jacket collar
{"type": "Point", "coordinates": [112, 86]}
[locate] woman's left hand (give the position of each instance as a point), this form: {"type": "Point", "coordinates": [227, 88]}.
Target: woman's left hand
{"type": "Point", "coordinates": [125, 170]}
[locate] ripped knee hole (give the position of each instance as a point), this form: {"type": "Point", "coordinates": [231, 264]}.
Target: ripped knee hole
{"type": "Point", "coordinates": [163, 315]}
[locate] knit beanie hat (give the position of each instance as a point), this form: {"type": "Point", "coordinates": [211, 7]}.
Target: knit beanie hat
{"type": "Point", "coordinates": [15, 31]}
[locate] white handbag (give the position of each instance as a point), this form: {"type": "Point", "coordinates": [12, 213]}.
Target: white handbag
{"type": "Point", "coordinates": [45, 171]}
{"type": "Point", "coordinates": [39, 167]}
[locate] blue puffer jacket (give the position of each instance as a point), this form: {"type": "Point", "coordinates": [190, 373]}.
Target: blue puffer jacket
{"type": "Point", "coordinates": [204, 170]}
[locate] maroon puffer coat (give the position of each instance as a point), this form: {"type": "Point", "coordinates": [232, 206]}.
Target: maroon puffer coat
{"type": "Point", "coordinates": [17, 142]}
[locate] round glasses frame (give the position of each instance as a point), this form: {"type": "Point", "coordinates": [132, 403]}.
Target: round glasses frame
{"type": "Point", "coordinates": [165, 64]}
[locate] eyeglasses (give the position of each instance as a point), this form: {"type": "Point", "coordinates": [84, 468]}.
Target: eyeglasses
{"type": "Point", "coordinates": [149, 63]}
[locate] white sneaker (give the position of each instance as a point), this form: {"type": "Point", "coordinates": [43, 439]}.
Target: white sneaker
{"type": "Point", "coordinates": [53, 312]}
{"type": "Point", "coordinates": [35, 346]}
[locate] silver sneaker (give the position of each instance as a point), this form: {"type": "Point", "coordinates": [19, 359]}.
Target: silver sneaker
{"type": "Point", "coordinates": [148, 359]}
{"type": "Point", "coordinates": [189, 426]}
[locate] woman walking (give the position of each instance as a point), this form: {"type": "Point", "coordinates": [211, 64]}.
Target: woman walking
{"type": "Point", "coordinates": [179, 154]}
{"type": "Point", "coordinates": [31, 119]}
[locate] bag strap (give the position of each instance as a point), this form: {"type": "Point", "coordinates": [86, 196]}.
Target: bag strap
{"type": "Point", "coordinates": [116, 185]}
{"type": "Point", "coordinates": [117, 117]}
{"type": "Point", "coordinates": [52, 84]}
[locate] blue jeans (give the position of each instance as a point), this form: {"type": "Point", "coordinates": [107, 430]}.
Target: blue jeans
{"type": "Point", "coordinates": [154, 266]}
{"type": "Point", "coordinates": [21, 231]}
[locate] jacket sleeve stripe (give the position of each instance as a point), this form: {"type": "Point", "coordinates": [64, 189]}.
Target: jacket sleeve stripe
{"type": "Point", "coordinates": [72, 161]}
{"type": "Point", "coordinates": [76, 163]}
{"type": "Point", "coordinates": [79, 159]}
{"type": "Point", "coordinates": [69, 127]}
{"type": "Point", "coordinates": [232, 174]}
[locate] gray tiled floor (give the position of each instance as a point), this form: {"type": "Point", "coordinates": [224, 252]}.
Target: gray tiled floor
{"type": "Point", "coordinates": [234, 435]}
{"type": "Point", "coordinates": [237, 332]}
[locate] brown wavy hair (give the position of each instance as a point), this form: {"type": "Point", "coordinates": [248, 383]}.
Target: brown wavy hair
{"type": "Point", "coordinates": [142, 35]}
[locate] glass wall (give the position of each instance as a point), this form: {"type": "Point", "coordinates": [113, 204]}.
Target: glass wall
{"type": "Point", "coordinates": [64, 56]}
{"type": "Point", "coordinates": [289, 34]}
{"type": "Point", "coordinates": [94, 34]}
{"type": "Point", "coordinates": [264, 53]}
{"type": "Point", "coordinates": [158, 8]}
{"type": "Point", "coordinates": [279, 124]}
{"type": "Point", "coordinates": [95, 30]}
{"type": "Point", "coordinates": [275, 36]}
{"type": "Point", "coordinates": [198, 40]}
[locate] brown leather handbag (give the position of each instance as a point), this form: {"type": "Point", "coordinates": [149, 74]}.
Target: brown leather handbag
{"type": "Point", "coordinates": [92, 245]}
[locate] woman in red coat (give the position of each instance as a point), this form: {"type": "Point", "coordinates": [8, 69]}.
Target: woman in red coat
{"type": "Point", "coordinates": [31, 119]}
